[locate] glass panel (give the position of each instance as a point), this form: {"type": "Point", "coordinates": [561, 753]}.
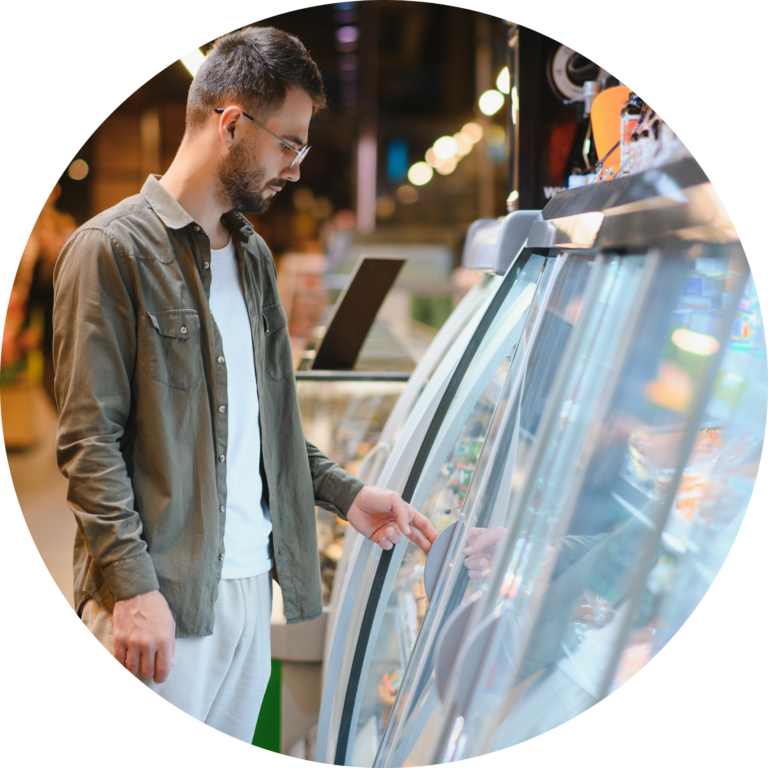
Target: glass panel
{"type": "Point", "coordinates": [713, 494]}
{"type": "Point", "coordinates": [344, 420]}
{"type": "Point", "coordinates": [584, 529]}
{"type": "Point", "coordinates": [439, 495]}
{"type": "Point", "coordinates": [466, 315]}
{"type": "Point", "coordinates": [526, 389]}
{"type": "Point", "coordinates": [459, 331]}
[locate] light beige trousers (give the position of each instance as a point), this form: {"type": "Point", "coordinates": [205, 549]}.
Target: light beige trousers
{"type": "Point", "coordinates": [220, 679]}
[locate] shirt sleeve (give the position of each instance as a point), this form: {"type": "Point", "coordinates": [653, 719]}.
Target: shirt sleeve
{"type": "Point", "coordinates": [94, 354]}
{"type": "Point", "coordinates": [335, 488]}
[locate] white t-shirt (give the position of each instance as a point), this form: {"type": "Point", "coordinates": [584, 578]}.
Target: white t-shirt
{"type": "Point", "coordinates": [248, 524]}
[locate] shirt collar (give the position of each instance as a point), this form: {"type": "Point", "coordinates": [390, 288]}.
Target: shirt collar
{"type": "Point", "coordinates": [168, 210]}
{"type": "Point", "coordinates": [164, 204]}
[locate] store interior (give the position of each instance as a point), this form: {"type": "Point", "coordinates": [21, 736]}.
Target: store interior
{"type": "Point", "coordinates": [556, 353]}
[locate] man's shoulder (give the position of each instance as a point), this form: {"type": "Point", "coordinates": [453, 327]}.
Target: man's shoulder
{"type": "Point", "coordinates": [121, 219]}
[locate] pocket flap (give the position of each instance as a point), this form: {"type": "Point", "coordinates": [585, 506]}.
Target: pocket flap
{"type": "Point", "coordinates": [179, 323]}
{"type": "Point", "coordinates": [274, 317]}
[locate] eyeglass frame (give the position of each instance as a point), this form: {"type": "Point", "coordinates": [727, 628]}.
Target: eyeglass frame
{"type": "Point", "coordinates": [301, 152]}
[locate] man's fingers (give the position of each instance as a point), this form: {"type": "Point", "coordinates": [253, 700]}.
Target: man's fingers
{"type": "Point", "coordinates": [420, 540]}
{"type": "Point", "coordinates": [163, 665]}
{"type": "Point", "coordinates": [132, 659]}
{"type": "Point", "coordinates": [424, 525]}
{"type": "Point", "coordinates": [402, 514]}
{"type": "Point", "coordinates": [147, 665]}
{"type": "Point", "coordinates": [120, 650]}
{"type": "Point", "coordinates": [483, 540]}
{"type": "Point", "coordinates": [474, 533]}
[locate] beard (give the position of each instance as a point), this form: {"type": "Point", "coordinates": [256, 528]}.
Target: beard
{"type": "Point", "coordinates": [241, 182]}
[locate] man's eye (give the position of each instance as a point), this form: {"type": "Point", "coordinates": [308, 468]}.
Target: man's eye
{"type": "Point", "coordinates": [286, 148]}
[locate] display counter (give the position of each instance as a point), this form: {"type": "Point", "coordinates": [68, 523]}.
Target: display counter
{"type": "Point", "coordinates": [585, 517]}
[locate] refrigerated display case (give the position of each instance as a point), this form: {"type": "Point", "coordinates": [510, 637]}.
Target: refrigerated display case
{"type": "Point", "coordinates": [356, 416]}
{"type": "Point", "coordinates": [612, 477]}
{"type": "Point", "coordinates": [490, 247]}
{"type": "Point", "coordinates": [596, 568]}
{"type": "Point", "coordinates": [441, 439]}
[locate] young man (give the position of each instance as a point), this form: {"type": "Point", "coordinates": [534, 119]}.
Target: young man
{"type": "Point", "coordinates": [180, 433]}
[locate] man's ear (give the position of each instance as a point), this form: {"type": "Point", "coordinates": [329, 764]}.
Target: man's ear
{"type": "Point", "coordinates": [230, 125]}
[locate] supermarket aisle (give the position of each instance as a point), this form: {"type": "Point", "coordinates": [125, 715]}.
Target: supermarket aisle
{"type": "Point", "coordinates": [42, 493]}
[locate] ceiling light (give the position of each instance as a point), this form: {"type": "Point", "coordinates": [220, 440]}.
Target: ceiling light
{"type": "Point", "coordinates": [445, 147]}
{"type": "Point", "coordinates": [347, 34]}
{"type": "Point", "coordinates": [449, 166]}
{"type": "Point", "coordinates": [432, 158]}
{"type": "Point", "coordinates": [419, 174]}
{"type": "Point", "coordinates": [464, 144]}
{"type": "Point", "coordinates": [474, 131]}
{"type": "Point", "coordinates": [502, 81]}
{"type": "Point", "coordinates": [491, 102]}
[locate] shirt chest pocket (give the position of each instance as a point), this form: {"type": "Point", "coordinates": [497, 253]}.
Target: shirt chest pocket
{"type": "Point", "coordinates": [173, 348]}
{"type": "Point", "coordinates": [278, 359]}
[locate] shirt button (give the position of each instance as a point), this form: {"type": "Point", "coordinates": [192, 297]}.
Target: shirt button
{"type": "Point", "coordinates": [220, 359]}
{"type": "Point", "coordinates": [222, 409]}
{"type": "Point", "coordinates": [222, 458]}
{"type": "Point", "coordinates": [184, 330]}
{"type": "Point", "coordinates": [222, 508]}
{"type": "Point", "coordinates": [221, 557]}
{"type": "Point", "coordinates": [197, 228]}
{"type": "Point", "coordinates": [206, 265]}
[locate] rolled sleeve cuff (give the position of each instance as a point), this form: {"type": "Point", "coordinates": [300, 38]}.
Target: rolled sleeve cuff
{"type": "Point", "coordinates": [131, 576]}
{"type": "Point", "coordinates": [338, 492]}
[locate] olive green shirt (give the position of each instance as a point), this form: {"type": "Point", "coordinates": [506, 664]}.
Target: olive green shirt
{"type": "Point", "coordinates": [141, 384]}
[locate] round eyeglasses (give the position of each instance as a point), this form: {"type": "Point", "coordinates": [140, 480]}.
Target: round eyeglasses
{"type": "Point", "coordinates": [301, 152]}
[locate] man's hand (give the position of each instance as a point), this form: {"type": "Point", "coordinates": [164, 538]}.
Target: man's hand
{"type": "Point", "coordinates": [145, 636]}
{"type": "Point", "coordinates": [381, 515]}
{"type": "Point", "coordinates": [480, 549]}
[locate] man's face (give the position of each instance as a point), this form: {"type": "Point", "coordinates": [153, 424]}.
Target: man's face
{"type": "Point", "coordinates": [256, 167]}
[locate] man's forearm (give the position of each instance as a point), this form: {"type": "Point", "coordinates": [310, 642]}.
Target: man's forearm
{"type": "Point", "coordinates": [331, 483]}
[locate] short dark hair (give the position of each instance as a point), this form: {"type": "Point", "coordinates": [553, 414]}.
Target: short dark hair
{"type": "Point", "coordinates": [253, 67]}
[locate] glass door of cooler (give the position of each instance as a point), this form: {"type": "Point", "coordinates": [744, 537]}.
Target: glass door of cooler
{"type": "Point", "coordinates": [467, 314]}
{"type": "Point", "coordinates": [711, 498]}
{"type": "Point", "coordinates": [357, 563]}
{"type": "Point", "coordinates": [566, 576]}
{"type": "Point", "coordinates": [534, 372]}
{"type": "Point", "coordinates": [448, 345]}
{"type": "Point", "coordinates": [395, 603]}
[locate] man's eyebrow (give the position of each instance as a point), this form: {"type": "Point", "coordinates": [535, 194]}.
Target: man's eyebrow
{"type": "Point", "coordinates": [295, 140]}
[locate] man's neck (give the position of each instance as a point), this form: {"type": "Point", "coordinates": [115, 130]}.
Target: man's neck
{"type": "Point", "coordinates": [192, 183]}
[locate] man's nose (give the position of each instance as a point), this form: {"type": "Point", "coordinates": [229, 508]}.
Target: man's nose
{"type": "Point", "coordinates": [291, 173]}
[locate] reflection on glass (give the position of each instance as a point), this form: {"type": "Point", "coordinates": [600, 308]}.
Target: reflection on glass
{"type": "Point", "coordinates": [471, 307]}
{"type": "Point", "coordinates": [589, 527]}
{"type": "Point", "coordinates": [550, 323]}
{"type": "Point", "coordinates": [712, 496]}
{"type": "Point", "coordinates": [440, 495]}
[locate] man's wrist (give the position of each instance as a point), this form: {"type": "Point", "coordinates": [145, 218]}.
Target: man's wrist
{"type": "Point", "coordinates": [131, 576]}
